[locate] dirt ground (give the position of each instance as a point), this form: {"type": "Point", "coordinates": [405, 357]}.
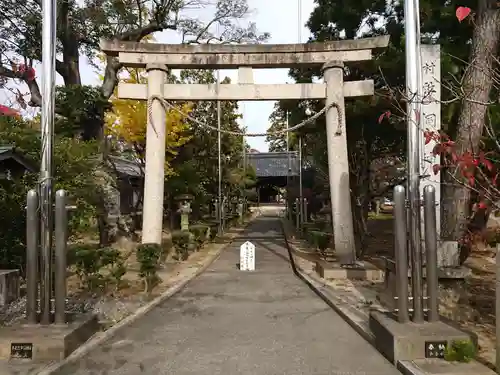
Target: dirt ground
{"type": "Point", "coordinates": [113, 305]}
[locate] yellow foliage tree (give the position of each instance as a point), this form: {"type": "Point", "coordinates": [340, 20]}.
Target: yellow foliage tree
{"type": "Point", "coordinates": [127, 121]}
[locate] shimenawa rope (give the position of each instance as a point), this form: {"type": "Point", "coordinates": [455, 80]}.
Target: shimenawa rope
{"type": "Point", "coordinates": [166, 105]}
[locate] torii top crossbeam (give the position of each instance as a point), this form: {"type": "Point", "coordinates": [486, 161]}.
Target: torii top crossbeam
{"type": "Point", "coordinates": [227, 56]}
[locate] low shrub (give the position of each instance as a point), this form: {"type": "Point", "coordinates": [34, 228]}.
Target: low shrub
{"type": "Point", "coordinates": [85, 259]}
{"type": "Point", "coordinates": [231, 219]}
{"type": "Point", "coordinates": [307, 227]}
{"type": "Point", "coordinates": [213, 226]}
{"type": "Point", "coordinates": [182, 241]}
{"type": "Point", "coordinates": [200, 233]}
{"type": "Point", "coordinates": [323, 225]}
{"type": "Point", "coordinates": [319, 239]}
{"type": "Point", "coordinates": [148, 256]}
{"type": "Point", "coordinates": [166, 249]}
{"type": "Point", "coordinates": [214, 230]}
{"type": "Point", "coordinates": [96, 267]}
{"type": "Point", "coordinates": [461, 351]}
{"type": "Point", "coordinates": [113, 264]}
{"type": "Point", "coordinates": [236, 219]}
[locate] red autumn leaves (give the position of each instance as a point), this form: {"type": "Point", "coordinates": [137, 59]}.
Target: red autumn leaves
{"type": "Point", "coordinates": [462, 13]}
{"type": "Point", "coordinates": [7, 111]}
{"type": "Point", "coordinates": [469, 164]}
{"type": "Point", "coordinates": [27, 73]}
{"type": "Point", "coordinates": [384, 115]}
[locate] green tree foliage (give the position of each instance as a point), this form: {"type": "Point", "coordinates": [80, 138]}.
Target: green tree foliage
{"type": "Point", "coordinates": [78, 165]}
{"type": "Point", "coordinates": [74, 163]}
{"type": "Point", "coordinates": [196, 164]}
{"type": "Point", "coordinates": [80, 26]}
{"type": "Point", "coordinates": [369, 138]}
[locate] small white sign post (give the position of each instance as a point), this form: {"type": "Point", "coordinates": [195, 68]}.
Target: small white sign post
{"type": "Point", "coordinates": [247, 256]}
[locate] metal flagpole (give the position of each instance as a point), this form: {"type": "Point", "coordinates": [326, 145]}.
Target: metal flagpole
{"type": "Point", "coordinates": [288, 170]}
{"type": "Point", "coordinates": [413, 134]}
{"type": "Point", "coordinates": [219, 146]}
{"type": "Point", "coordinates": [244, 154]}
{"type": "Point", "coordinates": [244, 169]}
{"type": "Point", "coordinates": [299, 20]}
{"type": "Point", "coordinates": [244, 151]}
{"type": "Point", "coordinates": [47, 130]}
{"type": "Point", "coordinates": [419, 67]}
{"type": "Point", "coordinates": [420, 142]}
{"type": "Point", "coordinates": [301, 192]}
{"type": "Point", "coordinates": [299, 40]}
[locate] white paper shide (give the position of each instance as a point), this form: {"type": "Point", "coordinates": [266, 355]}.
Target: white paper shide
{"type": "Point", "coordinates": [247, 256]}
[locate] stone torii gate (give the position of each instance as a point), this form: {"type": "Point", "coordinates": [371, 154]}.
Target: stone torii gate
{"type": "Point", "coordinates": [157, 58]}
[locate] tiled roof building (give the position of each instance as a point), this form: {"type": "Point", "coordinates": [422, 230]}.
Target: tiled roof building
{"type": "Point", "coordinates": [274, 164]}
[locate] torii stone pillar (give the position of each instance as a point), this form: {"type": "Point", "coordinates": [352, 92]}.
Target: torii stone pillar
{"type": "Point", "coordinates": [338, 165]}
{"type": "Point", "coordinates": [152, 210]}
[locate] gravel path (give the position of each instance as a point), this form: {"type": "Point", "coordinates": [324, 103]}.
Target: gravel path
{"type": "Point", "coordinates": [229, 322]}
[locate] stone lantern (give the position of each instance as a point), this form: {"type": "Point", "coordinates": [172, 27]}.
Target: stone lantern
{"type": "Point", "coordinates": [184, 201]}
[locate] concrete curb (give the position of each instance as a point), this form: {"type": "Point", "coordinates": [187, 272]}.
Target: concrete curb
{"type": "Point", "coordinates": [353, 318]}
{"type": "Point", "coordinates": [101, 337]}
{"type": "Point", "coordinates": [409, 368]}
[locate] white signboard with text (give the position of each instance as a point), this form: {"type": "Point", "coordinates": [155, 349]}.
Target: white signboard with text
{"type": "Point", "coordinates": [247, 256]}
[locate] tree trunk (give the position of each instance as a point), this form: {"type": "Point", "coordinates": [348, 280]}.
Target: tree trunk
{"type": "Point", "coordinates": [477, 85]}
{"type": "Point", "coordinates": [359, 168]}
{"type": "Point", "coordinates": [69, 68]}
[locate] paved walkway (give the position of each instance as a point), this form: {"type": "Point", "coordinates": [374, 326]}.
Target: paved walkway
{"type": "Point", "coordinates": [229, 322]}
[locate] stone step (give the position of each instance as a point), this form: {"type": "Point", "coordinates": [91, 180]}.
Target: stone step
{"type": "Point", "coordinates": [442, 367]}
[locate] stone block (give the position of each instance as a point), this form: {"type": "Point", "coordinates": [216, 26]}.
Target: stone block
{"type": "Point", "coordinates": [448, 254]}
{"type": "Point", "coordinates": [440, 367]}
{"type": "Point", "coordinates": [49, 342]}
{"type": "Point", "coordinates": [453, 273]}
{"type": "Point", "coordinates": [9, 286]}
{"type": "Point", "coordinates": [450, 279]}
{"type": "Point", "coordinates": [363, 271]}
{"type": "Point", "coordinates": [450, 286]}
{"type": "Point", "coordinates": [406, 342]}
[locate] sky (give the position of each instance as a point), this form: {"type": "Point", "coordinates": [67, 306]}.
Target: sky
{"type": "Point", "coordinates": [281, 18]}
